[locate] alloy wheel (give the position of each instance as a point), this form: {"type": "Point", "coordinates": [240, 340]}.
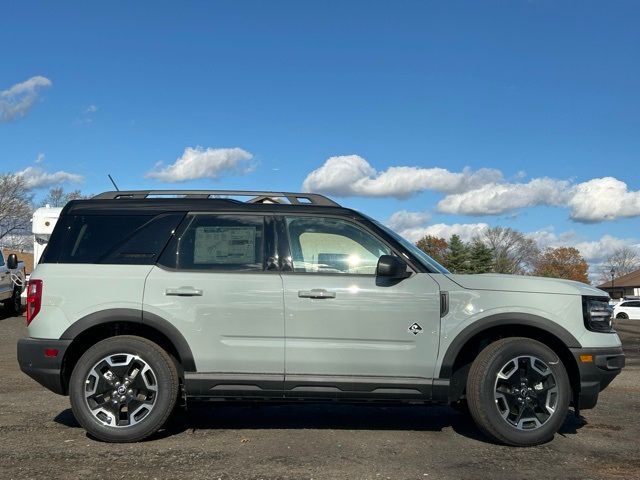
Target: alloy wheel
{"type": "Point", "coordinates": [121, 390]}
{"type": "Point", "coordinates": [526, 392]}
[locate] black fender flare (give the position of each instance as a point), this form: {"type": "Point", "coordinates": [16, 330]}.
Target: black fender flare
{"type": "Point", "coordinates": [131, 315]}
{"type": "Point", "coordinates": [500, 319]}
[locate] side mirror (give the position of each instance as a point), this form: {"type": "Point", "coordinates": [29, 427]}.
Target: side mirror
{"type": "Point", "coordinates": [391, 267]}
{"type": "Point", "coordinates": [12, 261]}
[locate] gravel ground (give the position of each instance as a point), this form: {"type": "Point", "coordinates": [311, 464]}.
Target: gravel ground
{"type": "Point", "coordinates": [39, 438]}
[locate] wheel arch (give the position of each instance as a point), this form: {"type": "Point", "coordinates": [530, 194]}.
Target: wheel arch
{"type": "Point", "coordinates": [97, 326]}
{"type": "Point", "coordinates": [474, 338]}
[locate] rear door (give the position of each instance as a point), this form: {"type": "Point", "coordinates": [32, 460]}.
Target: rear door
{"type": "Point", "coordinates": [213, 284]}
{"type": "Point", "coordinates": [348, 332]}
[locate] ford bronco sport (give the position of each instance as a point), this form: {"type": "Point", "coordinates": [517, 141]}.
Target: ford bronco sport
{"type": "Point", "coordinates": [143, 298]}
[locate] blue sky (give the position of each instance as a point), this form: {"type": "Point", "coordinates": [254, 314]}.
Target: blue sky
{"type": "Point", "coordinates": [546, 94]}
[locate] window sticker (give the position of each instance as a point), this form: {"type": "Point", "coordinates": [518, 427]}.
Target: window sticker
{"type": "Point", "coordinates": [225, 245]}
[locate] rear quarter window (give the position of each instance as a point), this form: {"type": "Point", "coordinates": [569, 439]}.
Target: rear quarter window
{"type": "Point", "coordinates": [111, 239]}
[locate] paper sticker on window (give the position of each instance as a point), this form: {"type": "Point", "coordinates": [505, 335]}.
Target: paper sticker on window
{"type": "Point", "coordinates": [225, 245]}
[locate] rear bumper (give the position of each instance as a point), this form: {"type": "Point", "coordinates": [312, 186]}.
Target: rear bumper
{"type": "Point", "coordinates": [597, 374]}
{"type": "Point", "coordinates": [46, 370]}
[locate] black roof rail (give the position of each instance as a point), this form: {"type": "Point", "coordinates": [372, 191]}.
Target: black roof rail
{"type": "Point", "coordinates": [255, 196]}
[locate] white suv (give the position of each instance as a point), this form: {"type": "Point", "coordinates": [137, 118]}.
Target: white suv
{"type": "Point", "coordinates": [629, 309]}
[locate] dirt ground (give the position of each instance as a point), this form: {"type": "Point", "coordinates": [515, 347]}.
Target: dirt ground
{"type": "Point", "coordinates": [39, 438]}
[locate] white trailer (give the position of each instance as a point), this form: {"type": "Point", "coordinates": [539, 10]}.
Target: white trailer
{"type": "Point", "coordinates": [42, 223]}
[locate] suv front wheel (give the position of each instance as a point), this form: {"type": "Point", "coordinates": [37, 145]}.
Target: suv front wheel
{"type": "Point", "coordinates": [123, 389]}
{"type": "Point", "coordinates": [518, 391]}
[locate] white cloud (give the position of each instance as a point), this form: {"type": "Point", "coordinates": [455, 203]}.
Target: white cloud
{"type": "Point", "coordinates": [593, 251]}
{"type": "Point", "coordinates": [352, 175]}
{"type": "Point", "coordinates": [16, 101]}
{"type": "Point", "coordinates": [199, 162]}
{"type": "Point", "coordinates": [36, 177]}
{"type": "Point", "coordinates": [91, 109]}
{"type": "Point", "coordinates": [40, 158]}
{"type": "Point", "coordinates": [403, 219]}
{"type": "Point", "coordinates": [466, 231]}
{"type": "Point", "coordinates": [603, 199]}
{"type": "Point", "coordinates": [480, 192]}
{"type": "Point", "coordinates": [497, 198]}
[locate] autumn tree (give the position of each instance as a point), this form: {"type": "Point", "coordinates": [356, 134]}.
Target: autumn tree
{"type": "Point", "coordinates": [562, 262]}
{"type": "Point", "coordinates": [513, 252]}
{"type": "Point", "coordinates": [435, 247]}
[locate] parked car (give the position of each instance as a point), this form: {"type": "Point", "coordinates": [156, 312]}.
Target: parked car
{"type": "Point", "coordinates": [12, 280]}
{"type": "Point", "coordinates": [628, 309]}
{"type": "Point", "coordinates": [142, 299]}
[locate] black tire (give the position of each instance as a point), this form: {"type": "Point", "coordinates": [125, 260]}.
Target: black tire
{"type": "Point", "coordinates": [162, 371]}
{"type": "Point", "coordinates": [494, 416]}
{"type": "Point", "coordinates": [14, 304]}
{"type": "Point", "coordinates": [622, 316]}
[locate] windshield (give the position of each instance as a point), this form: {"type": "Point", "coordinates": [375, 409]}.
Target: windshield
{"type": "Point", "coordinates": [422, 257]}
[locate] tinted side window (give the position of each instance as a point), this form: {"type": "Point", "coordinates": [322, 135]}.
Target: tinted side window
{"type": "Point", "coordinates": [633, 304]}
{"type": "Point", "coordinates": [119, 239]}
{"type": "Point", "coordinates": [218, 242]}
{"type": "Point", "coordinates": [330, 245]}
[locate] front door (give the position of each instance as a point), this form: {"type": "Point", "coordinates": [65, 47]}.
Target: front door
{"type": "Point", "coordinates": [212, 285]}
{"type": "Point", "coordinates": [348, 332]}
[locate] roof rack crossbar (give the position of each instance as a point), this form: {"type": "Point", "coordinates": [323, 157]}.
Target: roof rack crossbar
{"type": "Point", "coordinates": [256, 196]}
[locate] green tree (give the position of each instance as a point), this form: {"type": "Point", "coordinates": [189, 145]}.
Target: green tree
{"type": "Point", "coordinates": [457, 258]}
{"type": "Point", "coordinates": [480, 257]}
{"type": "Point", "coordinates": [435, 247]}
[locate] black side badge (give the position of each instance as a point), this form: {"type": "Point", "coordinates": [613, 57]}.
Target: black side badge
{"type": "Point", "coordinates": [415, 329]}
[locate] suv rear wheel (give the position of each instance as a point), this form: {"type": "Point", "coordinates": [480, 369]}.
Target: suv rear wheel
{"type": "Point", "coordinates": [123, 389]}
{"type": "Point", "coordinates": [518, 392]}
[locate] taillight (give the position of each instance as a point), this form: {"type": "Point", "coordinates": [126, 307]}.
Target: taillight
{"type": "Point", "coordinates": [34, 299]}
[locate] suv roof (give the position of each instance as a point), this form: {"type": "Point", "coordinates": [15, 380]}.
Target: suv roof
{"type": "Point", "coordinates": [290, 198]}
{"type": "Point", "coordinates": [202, 200]}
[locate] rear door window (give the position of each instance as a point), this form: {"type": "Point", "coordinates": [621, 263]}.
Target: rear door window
{"type": "Point", "coordinates": [218, 242]}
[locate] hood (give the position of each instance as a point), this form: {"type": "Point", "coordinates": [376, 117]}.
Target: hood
{"type": "Point", "coordinates": [522, 283]}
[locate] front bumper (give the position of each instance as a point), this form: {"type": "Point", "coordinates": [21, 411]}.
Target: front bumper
{"type": "Point", "coordinates": [597, 374]}
{"type": "Point", "coordinates": [46, 370]}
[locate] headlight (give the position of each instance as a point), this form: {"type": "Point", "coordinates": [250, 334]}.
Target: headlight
{"type": "Point", "coordinates": [597, 314]}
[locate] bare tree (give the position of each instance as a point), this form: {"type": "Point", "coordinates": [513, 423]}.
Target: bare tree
{"type": "Point", "coordinates": [622, 261]}
{"type": "Point", "coordinates": [57, 197]}
{"type": "Point", "coordinates": [512, 251]}
{"type": "Point", "coordinates": [15, 206]}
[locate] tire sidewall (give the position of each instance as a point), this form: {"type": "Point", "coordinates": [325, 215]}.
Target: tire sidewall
{"type": "Point", "coordinates": [504, 430]}
{"type": "Point", "coordinates": [166, 394]}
